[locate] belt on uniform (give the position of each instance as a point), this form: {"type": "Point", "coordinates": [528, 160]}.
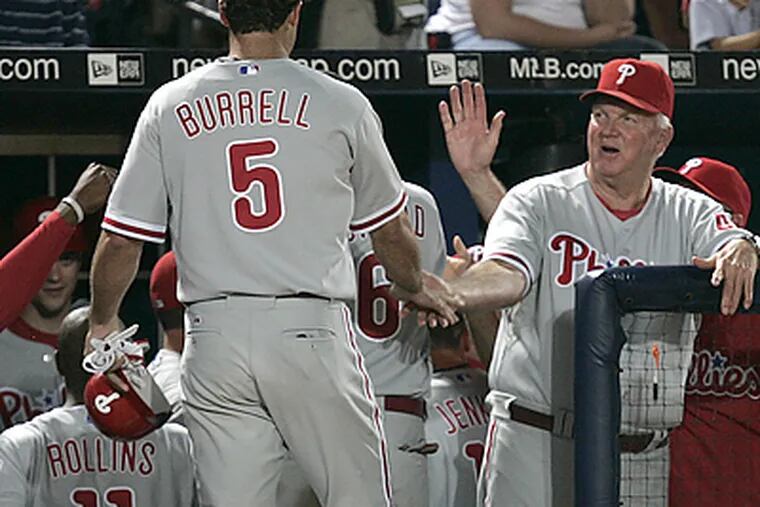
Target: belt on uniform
{"type": "Point", "coordinates": [406, 405]}
{"type": "Point", "coordinates": [296, 295]}
{"type": "Point", "coordinates": [630, 443]}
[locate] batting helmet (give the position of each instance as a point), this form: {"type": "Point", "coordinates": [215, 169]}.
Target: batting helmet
{"type": "Point", "coordinates": [126, 415]}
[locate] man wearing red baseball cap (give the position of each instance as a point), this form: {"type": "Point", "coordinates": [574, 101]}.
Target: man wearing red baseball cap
{"type": "Point", "coordinates": [37, 280]}
{"type": "Point", "coordinates": [548, 232]}
{"type": "Point", "coordinates": [715, 452]}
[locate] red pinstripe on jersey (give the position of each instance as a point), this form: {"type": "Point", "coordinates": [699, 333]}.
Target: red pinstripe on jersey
{"type": "Point", "coordinates": [376, 414]}
{"type": "Point", "coordinates": [383, 217]}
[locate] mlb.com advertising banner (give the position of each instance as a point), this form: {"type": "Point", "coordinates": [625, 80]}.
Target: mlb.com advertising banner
{"type": "Point", "coordinates": [405, 72]}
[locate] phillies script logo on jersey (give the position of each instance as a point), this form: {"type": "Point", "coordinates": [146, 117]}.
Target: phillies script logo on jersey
{"type": "Point", "coordinates": [17, 406]}
{"type": "Point", "coordinates": [574, 251]}
{"type": "Point", "coordinates": [711, 374]}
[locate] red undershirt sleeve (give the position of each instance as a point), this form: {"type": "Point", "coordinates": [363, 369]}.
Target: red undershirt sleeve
{"type": "Point", "coordinates": [23, 270]}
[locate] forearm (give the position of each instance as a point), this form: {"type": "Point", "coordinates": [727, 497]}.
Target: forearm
{"type": "Point", "coordinates": [608, 11]}
{"type": "Point", "coordinates": [486, 190]}
{"type": "Point", "coordinates": [489, 285]}
{"type": "Point", "coordinates": [23, 270]}
{"type": "Point", "coordinates": [114, 267]}
{"type": "Point", "coordinates": [494, 21]}
{"type": "Point", "coordinates": [483, 327]}
{"type": "Point", "coordinates": [744, 42]}
{"type": "Point", "coordinates": [396, 249]}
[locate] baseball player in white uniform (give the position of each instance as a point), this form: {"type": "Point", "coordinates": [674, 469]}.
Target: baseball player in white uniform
{"type": "Point", "coordinates": [457, 421]}
{"type": "Point", "coordinates": [549, 231]}
{"type": "Point", "coordinates": [265, 165]}
{"type": "Point", "coordinates": [60, 458]}
{"type": "Point", "coordinates": [396, 351]}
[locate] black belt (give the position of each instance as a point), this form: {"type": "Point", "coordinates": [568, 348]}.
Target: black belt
{"type": "Point", "coordinates": [406, 405]}
{"type": "Point", "coordinates": [297, 295]}
{"type": "Point", "coordinates": [630, 443]}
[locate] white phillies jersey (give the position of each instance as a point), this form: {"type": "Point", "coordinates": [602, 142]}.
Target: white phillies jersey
{"type": "Point", "coordinates": [457, 422]}
{"type": "Point", "coordinates": [259, 168]}
{"type": "Point", "coordinates": [60, 458]}
{"type": "Point", "coordinates": [396, 350]}
{"type": "Point", "coordinates": [554, 229]}
{"type": "Point", "coordinates": [29, 381]}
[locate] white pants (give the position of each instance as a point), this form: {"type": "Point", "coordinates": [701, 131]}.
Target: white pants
{"type": "Point", "coordinates": [405, 433]}
{"type": "Point", "coordinates": [260, 374]}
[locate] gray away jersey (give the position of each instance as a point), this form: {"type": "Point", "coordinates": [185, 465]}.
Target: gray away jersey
{"type": "Point", "coordinates": [554, 229]}
{"type": "Point", "coordinates": [259, 169]}
{"type": "Point", "coordinates": [457, 422]}
{"type": "Point", "coordinates": [29, 381]}
{"type": "Point", "coordinates": [396, 350]}
{"type": "Point", "coordinates": [60, 458]}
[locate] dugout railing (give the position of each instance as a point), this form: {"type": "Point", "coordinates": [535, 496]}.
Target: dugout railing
{"type": "Point", "coordinates": [602, 302]}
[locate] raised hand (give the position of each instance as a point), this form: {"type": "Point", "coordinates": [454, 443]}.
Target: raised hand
{"type": "Point", "coordinates": [469, 138]}
{"type": "Point", "coordinates": [436, 303]}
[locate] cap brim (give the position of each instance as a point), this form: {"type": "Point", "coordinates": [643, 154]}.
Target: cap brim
{"type": "Point", "coordinates": [673, 176]}
{"type": "Point", "coordinates": [628, 99]}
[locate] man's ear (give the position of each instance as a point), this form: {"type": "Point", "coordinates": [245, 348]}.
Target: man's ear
{"type": "Point", "coordinates": [295, 14]}
{"type": "Point", "coordinates": [739, 219]}
{"type": "Point", "coordinates": [223, 13]}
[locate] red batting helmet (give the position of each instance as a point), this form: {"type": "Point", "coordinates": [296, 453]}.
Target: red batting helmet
{"type": "Point", "coordinates": [126, 416]}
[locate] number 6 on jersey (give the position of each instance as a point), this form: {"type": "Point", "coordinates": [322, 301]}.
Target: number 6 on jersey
{"type": "Point", "coordinates": [258, 203]}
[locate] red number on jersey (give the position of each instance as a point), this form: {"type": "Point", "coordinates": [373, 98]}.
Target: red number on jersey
{"type": "Point", "coordinates": [114, 497]}
{"type": "Point", "coordinates": [378, 315]}
{"type": "Point", "coordinates": [264, 209]}
{"type": "Point", "coordinates": [473, 450]}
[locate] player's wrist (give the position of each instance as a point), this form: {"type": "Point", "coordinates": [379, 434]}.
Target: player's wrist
{"type": "Point", "coordinates": [67, 213]}
{"type": "Point", "coordinates": [75, 207]}
{"type": "Point", "coordinates": [754, 242]}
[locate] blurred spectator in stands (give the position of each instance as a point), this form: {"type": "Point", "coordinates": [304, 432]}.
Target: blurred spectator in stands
{"type": "Point", "coordinates": [513, 25]}
{"type": "Point", "coordinates": [662, 19]}
{"type": "Point", "coordinates": [373, 24]}
{"type": "Point", "coordinates": [715, 452]}
{"type": "Point", "coordinates": [37, 280]}
{"type": "Point", "coordinates": [54, 23]}
{"type": "Point", "coordinates": [724, 25]}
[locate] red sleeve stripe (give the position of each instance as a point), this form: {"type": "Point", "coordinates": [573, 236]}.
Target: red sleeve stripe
{"type": "Point", "coordinates": [383, 217]}
{"type": "Point", "coordinates": [132, 231]}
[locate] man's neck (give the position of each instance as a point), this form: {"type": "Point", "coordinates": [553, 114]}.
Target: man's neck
{"type": "Point", "coordinates": [627, 192]}
{"type": "Point", "coordinates": [257, 46]}
{"type": "Point", "coordinates": [51, 325]}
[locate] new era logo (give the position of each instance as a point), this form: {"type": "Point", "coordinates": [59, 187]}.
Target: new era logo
{"type": "Point", "coordinates": [115, 69]}
{"type": "Point", "coordinates": [444, 69]}
{"type": "Point", "coordinates": [440, 69]}
{"type": "Point", "coordinates": [681, 67]}
{"type": "Point", "coordinates": [100, 69]}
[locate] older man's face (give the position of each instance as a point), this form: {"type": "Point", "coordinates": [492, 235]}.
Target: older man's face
{"type": "Point", "coordinates": [622, 138]}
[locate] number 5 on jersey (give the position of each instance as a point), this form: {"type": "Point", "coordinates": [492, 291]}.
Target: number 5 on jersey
{"type": "Point", "coordinates": [258, 204]}
{"type": "Point", "coordinates": [378, 313]}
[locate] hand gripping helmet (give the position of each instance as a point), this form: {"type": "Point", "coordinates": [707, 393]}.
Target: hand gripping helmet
{"type": "Point", "coordinates": [127, 412]}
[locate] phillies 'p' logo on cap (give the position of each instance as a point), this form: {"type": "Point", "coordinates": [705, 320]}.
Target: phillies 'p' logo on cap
{"type": "Point", "coordinates": [625, 70]}
{"type": "Point", "coordinates": [644, 85]}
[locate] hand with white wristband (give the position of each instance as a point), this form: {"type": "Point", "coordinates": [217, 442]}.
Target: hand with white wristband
{"type": "Point", "coordinates": [89, 194]}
